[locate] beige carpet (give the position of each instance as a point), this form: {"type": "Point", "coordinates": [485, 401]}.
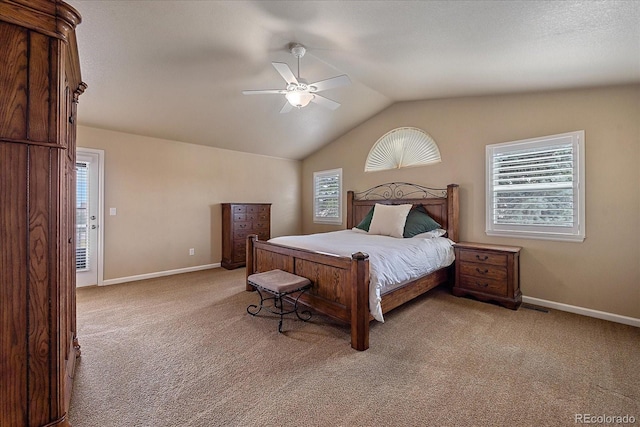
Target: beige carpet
{"type": "Point", "coordinates": [182, 351]}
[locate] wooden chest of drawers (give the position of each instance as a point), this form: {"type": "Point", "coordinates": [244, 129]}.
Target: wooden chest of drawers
{"type": "Point", "coordinates": [238, 221]}
{"type": "Point", "coordinates": [489, 273]}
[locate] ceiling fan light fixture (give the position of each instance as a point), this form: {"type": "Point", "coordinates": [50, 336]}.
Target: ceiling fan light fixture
{"type": "Point", "coordinates": [298, 92]}
{"type": "Point", "coordinates": [299, 99]}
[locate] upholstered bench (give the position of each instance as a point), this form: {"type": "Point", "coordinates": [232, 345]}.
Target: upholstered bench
{"type": "Point", "coordinates": [279, 284]}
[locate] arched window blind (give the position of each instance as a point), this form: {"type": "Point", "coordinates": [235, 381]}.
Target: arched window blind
{"type": "Point", "coordinates": [401, 148]}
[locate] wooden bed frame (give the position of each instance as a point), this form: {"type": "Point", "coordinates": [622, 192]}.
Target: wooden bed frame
{"type": "Point", "coordinates": [341, 284]}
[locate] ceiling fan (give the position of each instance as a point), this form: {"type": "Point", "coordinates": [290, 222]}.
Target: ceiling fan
{"type": "Point", "coordinates": [298, 92]}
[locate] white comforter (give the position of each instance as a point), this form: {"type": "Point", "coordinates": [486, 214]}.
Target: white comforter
{"type": "Point", "coordinates": [392, 261]}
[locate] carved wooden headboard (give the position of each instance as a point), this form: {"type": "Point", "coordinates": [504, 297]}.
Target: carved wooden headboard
{"type": "Point", "coordinates": [442, 204]}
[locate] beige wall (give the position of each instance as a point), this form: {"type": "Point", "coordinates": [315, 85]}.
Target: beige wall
{"type": "Point", "coordinates": [603, 272]}
{"type": "Point", "coordinates": [168, 196]}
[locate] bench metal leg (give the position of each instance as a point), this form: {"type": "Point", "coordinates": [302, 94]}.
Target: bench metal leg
{"type": "Point", "coordinates": [278, 304]}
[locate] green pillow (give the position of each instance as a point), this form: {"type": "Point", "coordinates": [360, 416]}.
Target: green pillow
{"type": "Point", "coordinates": [419, 221]}
{"type": "Point", "coordinates": [366, 221]}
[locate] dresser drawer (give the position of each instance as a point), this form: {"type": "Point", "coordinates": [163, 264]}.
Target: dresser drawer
{"type": "Point", "coordinates": [483, 257]}
{"type": "Point", "coordinates": [239, 250]}
{"type": "Point", "coordinates": [261, 225]}
{"type": "Point", "coordinates": [239, 209]}
{"type": "Point", "coordinates": [241, 234]}
{"type": "Point", "coordinates": [244, 225]}
{"type": "Point", "coordinates": [257, 216]}
{"type": "Point", "coordinates": [241, 230]}
{"type": "Point", "coordinates": [493, 272]}
{"type": "Point", "coordinates": [259, 209]}
{"type": "Point", "coordinates": [483, 284]}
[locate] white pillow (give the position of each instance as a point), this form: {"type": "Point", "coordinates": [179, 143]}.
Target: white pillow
{"type": "Point", "coordinates": [438, 232]}
{"type": "Point", "coordinates": [389, 220]}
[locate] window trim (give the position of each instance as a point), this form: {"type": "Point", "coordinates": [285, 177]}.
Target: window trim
{"type": "Point", "coordinates": [574, 234]}
{"type": "Point", "coordinates": [328, 220]}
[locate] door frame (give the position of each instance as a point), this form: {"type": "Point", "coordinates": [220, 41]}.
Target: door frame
{"type": "Point", "coordinates": [100, 244]}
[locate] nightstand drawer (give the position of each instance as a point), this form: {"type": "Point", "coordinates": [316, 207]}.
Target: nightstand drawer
{"type": "Point", "coordinates": [483, 271]}
{"type": "Point", "coordinates": [483, 284]}
{"type": "Point", "coordinates": [483, 257]}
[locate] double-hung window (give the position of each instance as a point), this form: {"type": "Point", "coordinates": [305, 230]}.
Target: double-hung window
{"type": "Point", "coordinates": [327, 196]}
{"type": "Point", "coordinates": [535, 188]}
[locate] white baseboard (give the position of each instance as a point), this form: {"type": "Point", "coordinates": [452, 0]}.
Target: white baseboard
{"type": "Point", "coordinates": [159, 274]}
{"type": "Point", "coordinates": [632, 321]}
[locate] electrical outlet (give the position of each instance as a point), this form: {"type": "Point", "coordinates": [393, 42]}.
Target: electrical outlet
{"type": "Point", "coordinates": [192, 251]}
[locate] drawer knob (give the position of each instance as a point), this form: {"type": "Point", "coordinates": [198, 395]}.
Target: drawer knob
{"type": "Point", "coordinates": [482, 258]}
{"type": "Point", "coordinates": [485, 271]}
{"type": "Point", "coordinates": [482, 285]}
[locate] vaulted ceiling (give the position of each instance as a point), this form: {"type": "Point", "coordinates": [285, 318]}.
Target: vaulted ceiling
{"type": "Point", "coordinates": [176, 69]}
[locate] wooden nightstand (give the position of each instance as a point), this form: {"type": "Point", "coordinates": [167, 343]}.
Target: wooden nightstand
{"type": "Point", "coordinates": [489, 273]}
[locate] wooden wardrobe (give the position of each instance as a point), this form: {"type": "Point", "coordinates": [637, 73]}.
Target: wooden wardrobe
{"type": "Point", "coordinates": [39, 88]}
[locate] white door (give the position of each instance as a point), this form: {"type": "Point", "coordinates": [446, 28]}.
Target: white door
{"type": "Point", "coordinates": [89, 165]}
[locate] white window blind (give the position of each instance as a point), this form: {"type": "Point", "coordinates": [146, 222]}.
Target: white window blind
{"type": "Point", "coordinates": [82, 216]}
{"type": "Point", "coordinates": [327, 196]}
{"type": "Point", "coordinates": [534, 188]}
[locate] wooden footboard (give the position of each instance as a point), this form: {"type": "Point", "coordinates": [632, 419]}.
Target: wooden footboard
{"type": "Point", "coordinates": [340, 284]}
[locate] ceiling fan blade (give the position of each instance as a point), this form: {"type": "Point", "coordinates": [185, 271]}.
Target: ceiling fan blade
{"type": "Point", "coordinates": [286, 107]}
{"type": "Point", "coordinates": [261, 92]}
{"type": "Point", "coordinates": [285, 72]}
{"type": "Point", "coordinates": [325, 102]}
{"type": "Point", "coordinates": [331, 83]}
